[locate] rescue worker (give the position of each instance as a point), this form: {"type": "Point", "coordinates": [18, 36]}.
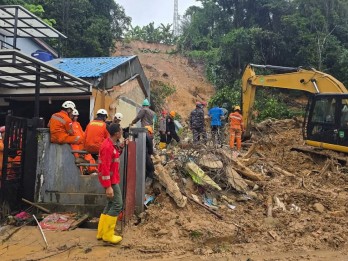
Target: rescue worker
{"type": "Point", "coordinates": [117, 118]}
{"type": "Point", "coordinates": [80, 158]}
{"type": "Point", "coordinates": [170, 128]}
{"type": "Point", "coordinates": [60, 126]}
{"type": "Point", "coordinates": [149, 167]}
{"type": "Point", "coordinates": [96, 132]}
{"type": "Point", "coordinates": [2, 137]}
{"type": "Point", "coordinates": [236, 127]}
{"type": "Point", "coordinates": [216, 114]}
{"type": "Point", "coordinates": [162, 130]}
{"type": "Point", "coordinates": [197, 123]}
{"type": "Point", "coordinates": [145, 115]}
{"type": "Point", "coordinates": [109, 178]}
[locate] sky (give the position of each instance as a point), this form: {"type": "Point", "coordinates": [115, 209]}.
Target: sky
{"type": "Point", "coordinates": [144, 12]}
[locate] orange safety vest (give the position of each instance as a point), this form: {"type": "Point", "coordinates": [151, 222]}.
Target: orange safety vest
{"type": "Point", "coordinates": [236, 120]}
{"type": "Point", "coordinates": [60, 127]}
{"type": "Point", "coordinates": [95, 134]}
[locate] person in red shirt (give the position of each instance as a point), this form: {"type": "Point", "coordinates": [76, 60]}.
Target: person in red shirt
{"type": "Point", "coordinates": [236, 128]}
{"type": "Point", "coordinates": [109, 178]}
{"type": "Point", "coordinates": [96, 132]}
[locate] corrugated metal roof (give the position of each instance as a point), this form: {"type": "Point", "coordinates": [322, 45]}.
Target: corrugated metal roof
{"type": "Point", "coordinates": [90, 67]}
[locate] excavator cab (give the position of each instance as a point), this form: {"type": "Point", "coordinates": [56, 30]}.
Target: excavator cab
{"type": "Point", "coordinates": [326, 121]}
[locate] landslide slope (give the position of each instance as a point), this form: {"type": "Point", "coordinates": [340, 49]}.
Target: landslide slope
{"type": "Point", "coordinates": [161, 67]}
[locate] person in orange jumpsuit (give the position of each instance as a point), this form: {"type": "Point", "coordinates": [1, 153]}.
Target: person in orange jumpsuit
{"type": "Point", "coordinates": [236, 128]}
{"type": "Point", "coordinates": [79, 157]}
{"type": "Point", "coordinates": [60, 126]}
{"type": "Point", "coordinates": [96, 132]}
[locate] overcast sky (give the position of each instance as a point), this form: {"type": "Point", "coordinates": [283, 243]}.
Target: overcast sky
{"type": "Point", "coordinates": [144, 12]}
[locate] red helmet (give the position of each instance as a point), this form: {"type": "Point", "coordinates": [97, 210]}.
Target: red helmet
{"type": "Point", "coordinates": [164, 112]}
{"type": "Point", "coordinates": [204, 103]}
{"type": "Point", "coordinates": [198, 103]}
{"type": "Point", "coordinates": [2, 129]}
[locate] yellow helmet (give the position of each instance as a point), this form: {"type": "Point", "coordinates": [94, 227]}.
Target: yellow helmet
{"type": "Point", "coordinates": [237, 107]}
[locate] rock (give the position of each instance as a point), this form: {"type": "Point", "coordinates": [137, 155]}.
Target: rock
{"type": "Point", "coordinates": [319, 207]}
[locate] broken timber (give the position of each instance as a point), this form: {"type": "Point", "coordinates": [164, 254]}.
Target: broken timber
{"type": "Point", "coordinates": [242, 169]}
{"type": "Point", "coordinates": [342, 160]}
{"type": "Point", "coordinates": [171, 187]}
{"type": "Point", "coordinates": [235, 180]}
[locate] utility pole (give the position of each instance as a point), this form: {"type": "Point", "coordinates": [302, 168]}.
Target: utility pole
{"type": "Point", "coordinates": [176, 19]}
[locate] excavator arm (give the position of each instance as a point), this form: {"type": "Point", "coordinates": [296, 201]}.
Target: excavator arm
{"type": "Point", "coordinates": [311, 81]}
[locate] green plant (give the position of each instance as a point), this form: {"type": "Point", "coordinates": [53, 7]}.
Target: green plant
{"type": "Point", "coordinates": [195, 234]}
{"type": "Point", "coordinates": [159, 92]}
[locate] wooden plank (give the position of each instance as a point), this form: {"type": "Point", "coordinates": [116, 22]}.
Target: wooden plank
{"type": "Point", "coordinates": [78, 222]}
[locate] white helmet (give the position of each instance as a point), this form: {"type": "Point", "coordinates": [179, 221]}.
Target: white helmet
{"type": "Point", "coordinates": [75, 112]}
{"type": "Point", "coordinates": [118, 116]}
{"type": "Point", "coordinates": [68, 105]}
{"type": "Point", "coordinates": [102, 112]}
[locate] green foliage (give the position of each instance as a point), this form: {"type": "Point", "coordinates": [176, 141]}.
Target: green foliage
{"type": "Point", "coordinates": [91, 26]}
{"type": "Point", "coordinates": [159, 92]}
{"type": "Point", "coordinates": [149, 33]}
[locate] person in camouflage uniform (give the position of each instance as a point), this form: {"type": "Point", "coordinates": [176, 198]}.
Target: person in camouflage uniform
{"type": "Point", "coordinates": [197, 123]}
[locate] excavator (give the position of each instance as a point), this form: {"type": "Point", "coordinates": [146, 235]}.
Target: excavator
{"type": "Point", "coordinates": [326, 118]}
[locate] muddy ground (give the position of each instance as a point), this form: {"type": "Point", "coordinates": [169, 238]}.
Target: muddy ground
{"type": "Point", "coordinates": [311, 224]}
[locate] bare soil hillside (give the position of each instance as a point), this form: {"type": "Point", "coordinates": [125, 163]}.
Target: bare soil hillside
{"type": "Point", "coordinates": [162, 67]}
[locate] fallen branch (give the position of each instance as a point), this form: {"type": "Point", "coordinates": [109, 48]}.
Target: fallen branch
{"type": "Point", "coordinates": [281, 171]}
{"type": "Point", "coordinates": [36, 205]}
{"type": "Point", "coordinates": [203, 206]}
{"type": "Point", "coordinates": [250, 151]}
{"type": "Point", "coordinates": [238, 166]}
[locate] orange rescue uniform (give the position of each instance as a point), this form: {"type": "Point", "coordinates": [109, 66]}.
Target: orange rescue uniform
{"type": "Point", "coordinates": [236, 129]}
{"type": "Point", "coordinates": [95, 134]}
{"type": "Point", "coordinates": [61, 129]}
{"type": "Point", "coordinates": [88, 157]}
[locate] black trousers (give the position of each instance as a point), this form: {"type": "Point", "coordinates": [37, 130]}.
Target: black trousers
{"type": "Point", "coordinates": [172, 135]}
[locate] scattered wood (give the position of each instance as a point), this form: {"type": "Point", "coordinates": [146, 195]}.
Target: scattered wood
{"type": "Point", "coordinates": [210, 161]}
{"type": "Point", "coordinates": [251, 151]}
{"type": "Point", "coordinates": [248, 162]}
{"type": "Point", "coordinates": [78, 222]}
{"type": "Point", "coordinates": [280, 170]}
{"type": "Point", "coordinates": [36, 205]}
{"type": "Point", "coordinates": [235, 180]}
{"type": "Point", "coordinates": [322, 153]}
{"type": "Point", "coordinates": [171, 186]}
{"type": "Point", "coordinates": [199, 176]}
{"type": "Point", "coordinates": [238, 166]}
{"type": "Point", "coordinates": [327, 166]}
{"type": "Point", "coordinates": [204, 206]}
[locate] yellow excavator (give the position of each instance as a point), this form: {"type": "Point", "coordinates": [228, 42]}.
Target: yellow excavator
{"type": "Point", "coordinates": [326, 118]}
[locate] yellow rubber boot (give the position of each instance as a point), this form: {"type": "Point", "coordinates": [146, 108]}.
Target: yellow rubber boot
{"type": "Point", "coordinates": [101, 226]}
{"type": "Point", "coordinates": [109, 230]}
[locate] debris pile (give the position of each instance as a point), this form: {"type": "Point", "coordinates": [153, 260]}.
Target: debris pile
{"type": "Point", "coordinates": [268, 194]}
